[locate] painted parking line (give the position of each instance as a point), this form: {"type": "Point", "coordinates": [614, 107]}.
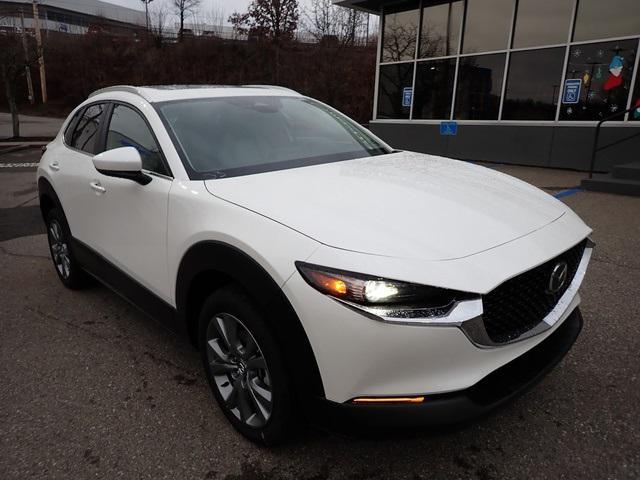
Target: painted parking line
{"type": "Point", "coordinates": [19, 165]}
{"type": "Point", "coordinates": [568, 192]}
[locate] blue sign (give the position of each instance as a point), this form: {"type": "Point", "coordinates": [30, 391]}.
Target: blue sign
{"type": "Point", "coordinates": [448, 128]}
{"type": "Point", "coordinates": [407, 96]}
{"type": "Point", "coordinates": [572, 91]}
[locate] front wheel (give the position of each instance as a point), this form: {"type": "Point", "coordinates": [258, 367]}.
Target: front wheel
{"type": "Point", "coordinates": [244, 367]}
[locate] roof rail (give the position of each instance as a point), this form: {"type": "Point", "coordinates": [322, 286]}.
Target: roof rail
{"type": "Point", "coordinates": [273, 87]}
{"type": "Point", "coordinates": [116, 88]}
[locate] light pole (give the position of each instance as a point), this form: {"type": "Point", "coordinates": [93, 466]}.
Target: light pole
{"type": "Point", "coordinates": [146, 11]}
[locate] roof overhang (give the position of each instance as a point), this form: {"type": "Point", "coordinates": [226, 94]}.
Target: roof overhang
{"type": "Point", "coordinates": [369, 6]}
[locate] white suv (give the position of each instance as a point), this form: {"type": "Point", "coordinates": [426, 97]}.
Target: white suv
{"type": "Point", "coordinates": [319, 271]}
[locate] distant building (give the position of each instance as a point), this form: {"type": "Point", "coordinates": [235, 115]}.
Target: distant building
{"type": "Point", "coordinates": [72, 16]}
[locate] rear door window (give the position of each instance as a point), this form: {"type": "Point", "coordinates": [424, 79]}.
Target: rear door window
{"type": "Point", "coordinates": [87, 131]}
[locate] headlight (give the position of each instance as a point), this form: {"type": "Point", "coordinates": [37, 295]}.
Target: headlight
{"type": "Point", "coordinates": [382, 297]}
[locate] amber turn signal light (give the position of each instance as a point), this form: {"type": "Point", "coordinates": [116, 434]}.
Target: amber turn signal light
{"type": "Point", "coordinates": [388, 400]}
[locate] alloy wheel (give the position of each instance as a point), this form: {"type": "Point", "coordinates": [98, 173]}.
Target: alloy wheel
{"type": "Point", "coordinates": [239, 370]}
{"type": "Point", "coordinates": [59, 249]}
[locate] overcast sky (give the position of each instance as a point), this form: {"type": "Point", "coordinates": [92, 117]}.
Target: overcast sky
{"type": "Point", "coordinates": [229, 6]}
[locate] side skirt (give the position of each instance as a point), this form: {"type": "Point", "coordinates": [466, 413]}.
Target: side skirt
{"type": "Point", "coordinates": [115, 279]}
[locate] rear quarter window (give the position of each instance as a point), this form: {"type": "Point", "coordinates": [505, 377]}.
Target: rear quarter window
{"type": "Point", "coordinates": [68, 131]}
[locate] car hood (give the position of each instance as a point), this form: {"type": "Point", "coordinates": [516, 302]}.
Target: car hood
{"type": "Point", "coordinates": [404, 204]}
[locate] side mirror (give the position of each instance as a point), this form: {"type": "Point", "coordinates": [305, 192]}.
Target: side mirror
{"type": "Point", "coordinates": [124, 162]}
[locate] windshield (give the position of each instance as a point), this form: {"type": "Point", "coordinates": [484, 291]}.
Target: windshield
{"type": "Point", "coordinates": [231, 136]}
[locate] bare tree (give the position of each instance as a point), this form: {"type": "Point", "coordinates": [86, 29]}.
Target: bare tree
{"type": "Point", "coordinates": [210, 22]}
{"type": "Point", "coordinates": [274, 19]}
{"type": "Point", "coordinates": [182, 9]}
{"type": "Point", "coordinates": [158, 22]}
{"type": "Point", "coordinates": [323, 19]}
{"type": "Point", "coordinates": [14, 60]}
{"type": "Point", "coordinates": [399, 41]}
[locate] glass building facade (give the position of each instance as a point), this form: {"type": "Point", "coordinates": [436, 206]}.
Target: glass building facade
{"type": "Point", "coordinates": [527, 81]}
{"type": "Point", "coordinates": [508, 60]}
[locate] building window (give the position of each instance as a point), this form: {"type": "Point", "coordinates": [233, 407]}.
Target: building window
{"type": "Point", "coordinates": [542, 22]}
{"type": "Point", "coordinates": [441, 24]}
{"type": "Point", "coordinates": [533, 84]}
{"type": "Point", "coordinates": [400, 32]}
{"type": "Point", "coordinates": [395, 80]}
{"type": "Point", "coordinates": [487, 25]}
{"type": "Point", "coordinates": [605, 19]}
{"type": "Point", "coordinates": [635, 101]}
{"type": "Point", "coordinates": [434, 89]}
{"type": "Point", "coordinates": [604, 70]}
{"type": "Point", "coordinates": [479, 87]}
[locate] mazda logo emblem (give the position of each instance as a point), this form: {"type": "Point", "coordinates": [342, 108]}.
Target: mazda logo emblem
{"type": "Point", "coordinates": [558, 277]}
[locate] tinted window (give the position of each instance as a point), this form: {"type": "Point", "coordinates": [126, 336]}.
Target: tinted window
{"type": "Point", "coordinates": [603, 19]}
{"type": "Point", "coordinates": [542, 22]}
{"type": "Point", "coordinates": [487, 25]}
{"type": "Point", "coordinates": [231, 136]}
{"type": "Point", "coordinates": [479, 87]}
{"type": "Point", "coordinates": [68, 133]}
{"type": "Point", "coordinates": [394, 79]}
{"type": "Point", "coordinates": [434, 88]}
{"type": "Point", "coordinates": [400, 32]}
{"type": "Point", "coordinates": [441, 23]}
{"type": "Point", "coordinates": [128, 129]}
{"type": "Point", "coordinates": [533, 84]}
{"type": "Point", "coordinates": [604, 72]}
{"type": "Point", "coordinates": [87, 132]}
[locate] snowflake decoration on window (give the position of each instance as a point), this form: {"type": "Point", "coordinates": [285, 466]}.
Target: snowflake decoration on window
{"type": "Point", "coordinates": [569, 111]}
{"type": "Point", "coordinates": [601, 53]}
{"type": "Point", "coordinates": [577, 52]}
{"type": "Point", "coordinates": [613, 108]}
{"type": "Point", "coordinates": [591, 95]}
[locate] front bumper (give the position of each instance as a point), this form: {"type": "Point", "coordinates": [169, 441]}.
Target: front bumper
{"type": "Point", "coordinates": [502, 385]}
{"type": "Point", "coordinates": [360, 357]}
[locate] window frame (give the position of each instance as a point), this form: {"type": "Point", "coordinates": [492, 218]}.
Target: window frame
{"type": "Point", "coordinates": [73, 124]}
{"type": "Point", "coordinates": [163, 158]}
{"type": "Point", "coordinates": [624, 121]}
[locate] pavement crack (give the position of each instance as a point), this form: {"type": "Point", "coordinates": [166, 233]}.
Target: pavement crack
{"type": "Point", "coordinates": [55, 318]}
{"type": "Point", "coordinates": [21, 255]}
{"type": "Point", "coordinates": [26, 201]}
{"type": "Point", "coordinates": [615, 264]}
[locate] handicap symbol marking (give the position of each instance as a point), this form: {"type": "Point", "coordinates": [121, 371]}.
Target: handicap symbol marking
{"type": "Point", "coordinates": [407, 96]}
{"type": "Point", "coordinates": [448, 128]}
{"type": "Point", "coordinates": [572, 89]}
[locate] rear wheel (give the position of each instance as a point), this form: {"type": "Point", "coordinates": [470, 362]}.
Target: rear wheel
{"type": "Point", "coordinates": [244, 367]}
{"type": "Point", "coordinates": [67, 267]}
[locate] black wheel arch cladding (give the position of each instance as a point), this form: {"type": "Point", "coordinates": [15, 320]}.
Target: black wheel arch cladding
{"type": "Point", "coordinates": [217, 261]}
{"type": "Point", "coordinates": [48, 197]}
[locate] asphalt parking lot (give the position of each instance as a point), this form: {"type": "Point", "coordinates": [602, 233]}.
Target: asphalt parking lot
{"type": "Point", "coordinates": [90, 388]}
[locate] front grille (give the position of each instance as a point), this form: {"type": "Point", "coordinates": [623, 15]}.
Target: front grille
{"type": "Point", "coordinates": [519, 304]}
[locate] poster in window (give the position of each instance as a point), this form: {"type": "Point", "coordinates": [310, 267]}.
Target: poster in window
{"type": "Point", "coordinates": [605, 71]}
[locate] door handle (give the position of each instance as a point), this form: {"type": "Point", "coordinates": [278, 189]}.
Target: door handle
{"type": "Point", "coordinates": [96, 187]}
{"type": "Point", "coordinates": [55, 166]}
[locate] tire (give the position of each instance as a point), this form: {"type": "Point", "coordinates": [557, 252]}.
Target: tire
{"type": "Point", "coordinates": [65, 264]}
{"type": "Point", "coordinates": [235, 345]}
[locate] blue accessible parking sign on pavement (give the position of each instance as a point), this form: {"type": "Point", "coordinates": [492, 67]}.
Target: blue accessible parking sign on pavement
{"type": "Point", "coordinates": [448, 128]}
{"type": "Point", "coordinates": [572, 91]}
